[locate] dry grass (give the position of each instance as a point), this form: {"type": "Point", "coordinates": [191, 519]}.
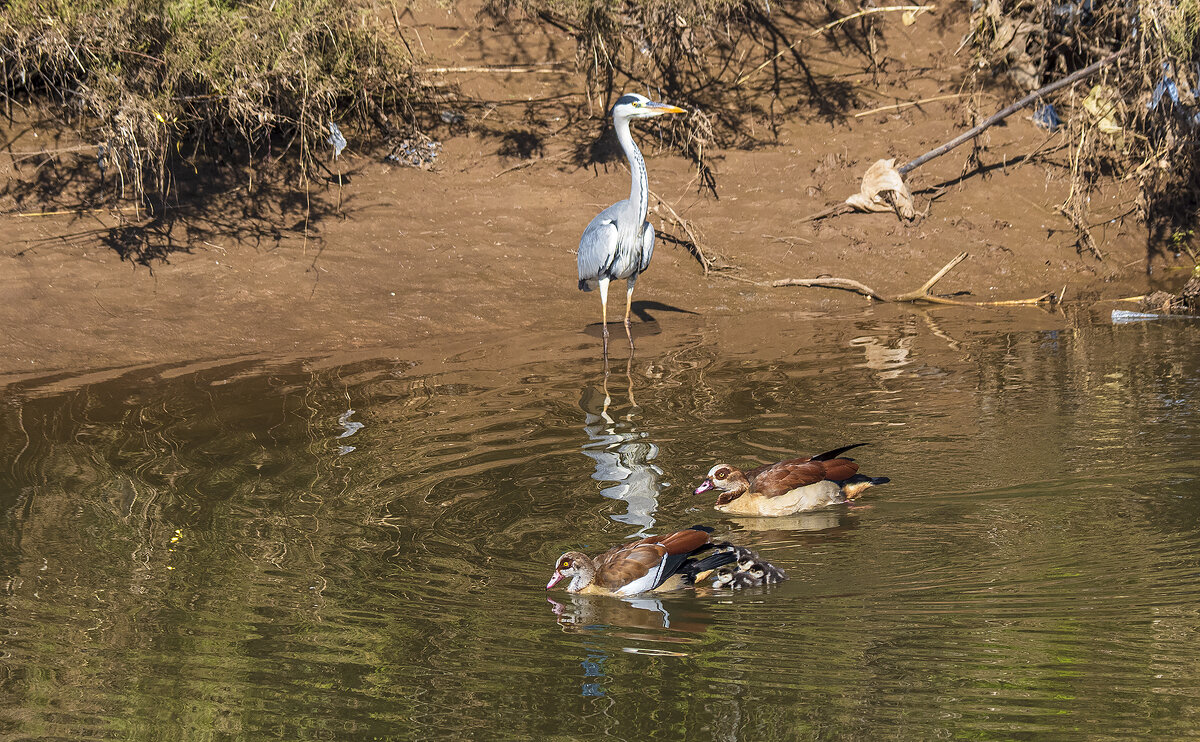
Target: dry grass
{"type": "Point", "coordinates": [162, 84]}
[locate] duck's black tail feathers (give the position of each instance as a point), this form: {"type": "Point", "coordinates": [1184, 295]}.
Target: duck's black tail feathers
{"type": "Point", "coordinates": [837, 452]}
{"type": "Point", "coordinates": [697, 569]}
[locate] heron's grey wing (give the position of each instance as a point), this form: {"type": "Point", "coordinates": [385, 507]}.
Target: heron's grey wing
{"type": "Point", "coordinates": [647, 247]}
{"type": "Point", "coordinates": [597, 248]}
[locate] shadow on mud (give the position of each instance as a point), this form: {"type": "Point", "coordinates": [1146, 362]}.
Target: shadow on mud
{"type": "Point", "coordinates": [211, 200]}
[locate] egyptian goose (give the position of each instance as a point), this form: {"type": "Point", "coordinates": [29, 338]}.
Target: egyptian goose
{"type": "Point", "coordinates": [789, 487]}
{"type": "Point", "coordinates": [655, 563]}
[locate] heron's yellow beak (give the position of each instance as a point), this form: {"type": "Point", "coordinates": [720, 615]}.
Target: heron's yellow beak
{"type": "Point", "coordinates": [661, 108]}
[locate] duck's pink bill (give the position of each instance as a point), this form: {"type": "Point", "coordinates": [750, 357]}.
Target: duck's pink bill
{"type": "Point", "coordinates": [554, 580]}
{"type": "Point", "coordinates": [705, 486]}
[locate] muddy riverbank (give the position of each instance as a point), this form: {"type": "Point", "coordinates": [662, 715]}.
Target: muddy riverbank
{"type": "Point", "coordinates": [483, 244]}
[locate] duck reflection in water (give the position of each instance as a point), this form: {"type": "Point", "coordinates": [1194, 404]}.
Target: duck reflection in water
{"type": "Point", "coordinates": [808, 529]}
{"type": "Point", "coordinates": [591, 613]}
{"type": "Point", "coordinates": [623, 454]}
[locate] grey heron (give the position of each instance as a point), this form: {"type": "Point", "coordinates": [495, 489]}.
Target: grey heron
{"type": "Point", "coordinates": [618, 243]}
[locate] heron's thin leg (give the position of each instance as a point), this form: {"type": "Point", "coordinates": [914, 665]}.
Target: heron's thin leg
{"type": "Point", "coordinates": [628, 305]}
{"type": "Point", "coordinates": [604, 314]}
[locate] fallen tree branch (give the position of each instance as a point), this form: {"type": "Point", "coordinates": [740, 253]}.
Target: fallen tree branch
{"type": "Point", "coordinates": [848, 284]}
{"type": "Point", "coordinates": [920, 295]}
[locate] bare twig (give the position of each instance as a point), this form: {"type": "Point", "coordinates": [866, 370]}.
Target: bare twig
{"type": "Point", "coordinates": [733, 277]}
{"type": "Point", "coordinates": [706, 263]}
{"type": "Point", "coordinates": [920, 295]}
{"type": "Point", "coordinates": [511, 70]}
{"type": "Point", "coordinates": [834, 210]}
{"type": "Point", "coordinates": [528, 163]}
{"type": "Point", "coordinates": [1085, 235]}
{"type": "Point", "coordinates": [76, 212]}
{"type": "Point", "coordinates": [899, 106]}
{"type": "Point", "coordinates": [924, 290]}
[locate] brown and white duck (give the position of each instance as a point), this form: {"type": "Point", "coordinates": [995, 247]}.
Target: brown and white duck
{"type": "Point", "coordinates": [656, 563]}
{"type": "Point", "coordinates": [789, 487]}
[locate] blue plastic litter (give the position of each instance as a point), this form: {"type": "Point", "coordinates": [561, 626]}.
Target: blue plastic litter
{"type": "Point", "coordinates": [336, 139]}
{"type": "Point", "coordinates": [1166, 86]}
{"type": "Point", "coordinates": [1046, 117]}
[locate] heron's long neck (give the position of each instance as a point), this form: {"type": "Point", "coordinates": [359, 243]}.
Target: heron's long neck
{"type": "Point", "coordinates": [639, 190]}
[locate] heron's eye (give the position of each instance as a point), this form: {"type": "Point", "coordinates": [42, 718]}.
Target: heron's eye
{"type": "Point", "coordinates": [637, 104]}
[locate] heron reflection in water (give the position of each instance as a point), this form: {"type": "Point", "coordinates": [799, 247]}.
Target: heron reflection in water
{"type": "Point", "coordinates": [623, 454]}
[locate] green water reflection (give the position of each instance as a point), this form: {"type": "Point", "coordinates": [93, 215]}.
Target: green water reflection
{"type": "Point", "coordinates": [226, 551]}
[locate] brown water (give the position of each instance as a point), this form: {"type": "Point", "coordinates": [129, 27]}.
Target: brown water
{"type": "Point", "coordinates": [225, 551]}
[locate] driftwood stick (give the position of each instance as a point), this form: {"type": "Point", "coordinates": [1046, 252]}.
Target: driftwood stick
{"type": "Point", "coordinates": [924, 290]}
{"type": "Point", "coordinates": [1005, 113]}
{"type": "Point", "coordinates": [921, 294]}
{"type": "Point", "coordinates": [1050, 297]}
{"type": "Point", "coordinates": [848, 284]}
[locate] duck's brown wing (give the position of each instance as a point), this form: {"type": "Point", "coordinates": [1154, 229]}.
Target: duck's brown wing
{"type": "Point", "coordinates": [827, 456]}
{"type": "Point", "coordinates": [758, 471]}
{"type": "Point", "coordinates": [626, 563]}
{"type": "Point", "coordinates": [788, 475]}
